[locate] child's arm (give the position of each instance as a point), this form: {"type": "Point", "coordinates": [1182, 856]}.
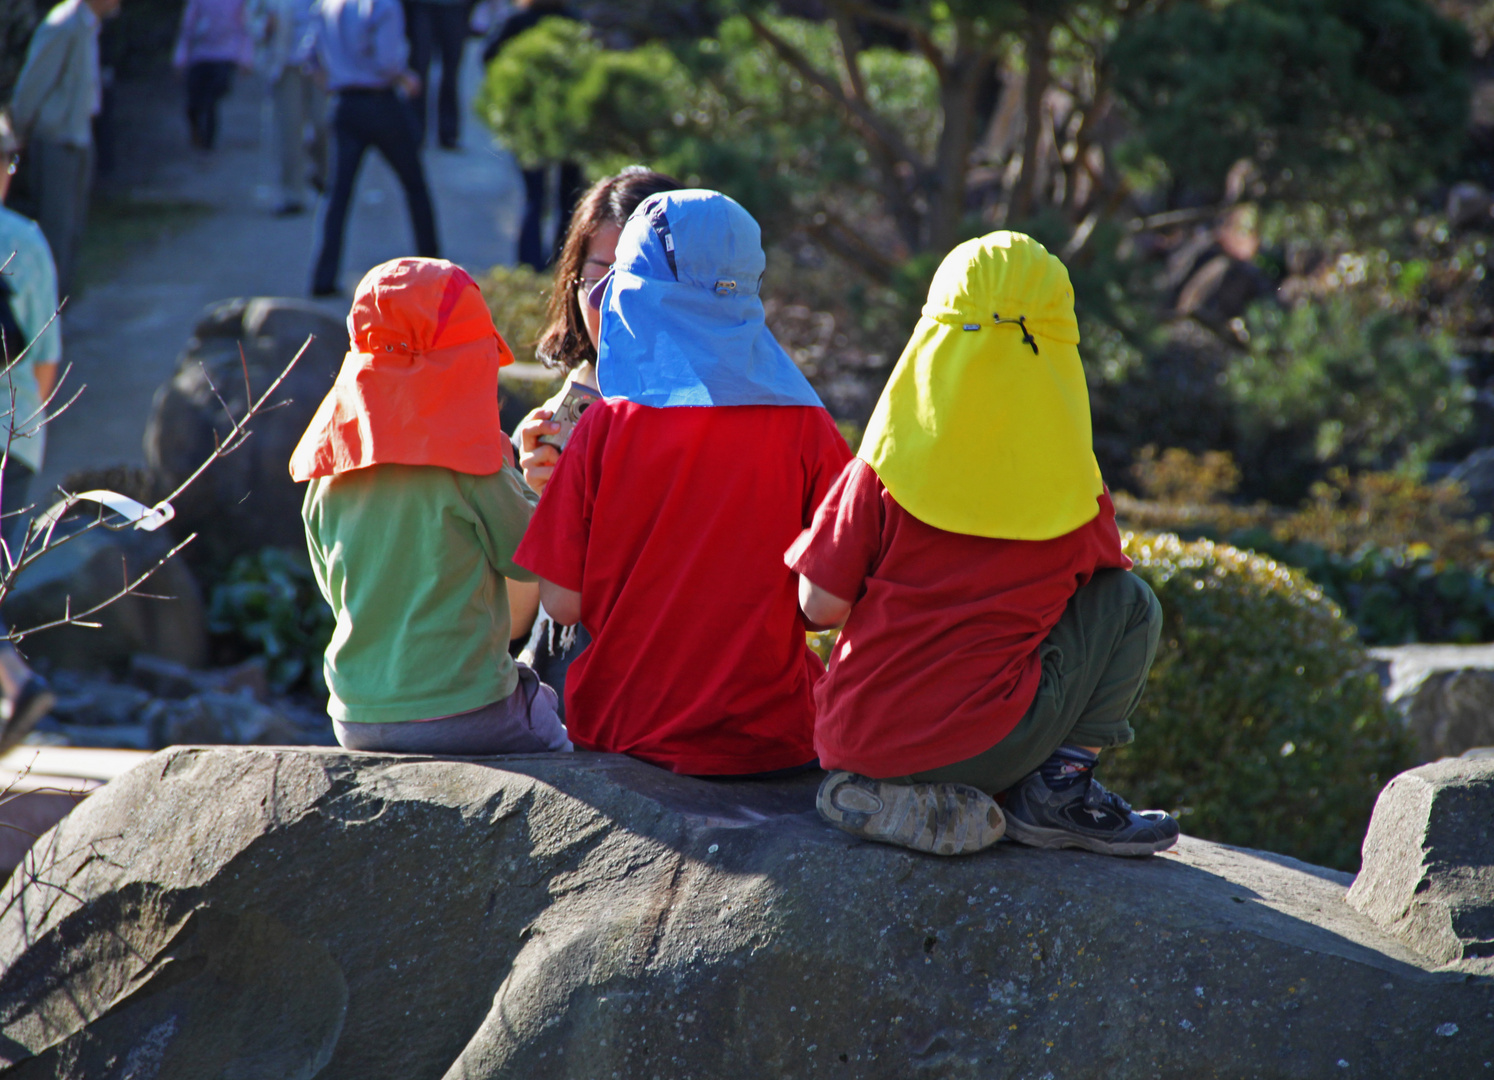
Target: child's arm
{"type": "Point", "coordinates": [564, 605]}
{"type": "Point", "coordinates": [822, 610]}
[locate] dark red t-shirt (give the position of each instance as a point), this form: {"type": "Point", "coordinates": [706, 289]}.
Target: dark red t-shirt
{"type": "Point", "coordinates": [671, 523]}
{"type": "Point", "coordinates": [939, 658]}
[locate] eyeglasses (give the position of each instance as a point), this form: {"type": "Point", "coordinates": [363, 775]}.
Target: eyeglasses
{"type": "Point", "coordinates": [584, 285]}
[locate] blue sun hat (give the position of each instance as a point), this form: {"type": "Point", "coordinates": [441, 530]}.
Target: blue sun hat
{"type": "Point", "coordinates": [682, 321]}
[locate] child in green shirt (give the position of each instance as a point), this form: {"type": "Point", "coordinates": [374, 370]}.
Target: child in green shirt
{"type": "Point", "coordinates": [412, 513]}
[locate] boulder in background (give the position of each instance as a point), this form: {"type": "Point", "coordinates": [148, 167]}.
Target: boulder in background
{"type": "Point", "coordinates": [1428, 872]}
{"type": "Point", "coordinates": [247, 500]}
{"type": "Point", "coordinates": [1445, 693]}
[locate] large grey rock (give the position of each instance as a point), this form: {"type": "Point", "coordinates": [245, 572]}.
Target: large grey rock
{"type": "Point", "coordinates": [1428, 872]}
{"type": "Point", "coordinates": [279, 913]}
{"type": "Point", "coordinates": [1445, 694]}
{"type": "Point", "coordinates": [247, 500]}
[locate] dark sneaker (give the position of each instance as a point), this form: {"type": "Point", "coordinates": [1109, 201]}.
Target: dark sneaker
{"type": "Point", "coordinates": [1062, 805]}
{"type": "Point", "coordinates": [18, 717]}
{"type": "Point", "coordinates": [942, 819]}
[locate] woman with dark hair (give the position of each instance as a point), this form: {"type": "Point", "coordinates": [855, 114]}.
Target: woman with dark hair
{"type": "Point", "coordinates": [569, 344]}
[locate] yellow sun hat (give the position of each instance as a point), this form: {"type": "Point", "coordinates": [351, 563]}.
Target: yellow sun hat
{"type": "Point", "coordinates": [984, 427]}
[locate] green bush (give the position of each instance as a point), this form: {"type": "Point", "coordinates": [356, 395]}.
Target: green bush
{"type": "Point", "coordinates": [269, 605]}
{"type": "Point", "coordinates": [516, 298]}
{"type": "Point", "coordinates": [1262, 723]}
{"type": "Point", "coordinates": [1347, 379]}
{"type": "Point", "coordinates": [1395, 595]}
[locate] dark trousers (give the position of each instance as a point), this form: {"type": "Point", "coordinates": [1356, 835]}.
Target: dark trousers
{"type": "Point", "coordinates": [360, 119]}
{"type": "Point", "coordinates": [433, 28]}
{"type": "Point", "coordinates": [61, 177]}
{"type": "Point", "coordinates": [1095, 664]}
{"type": "Point", "coordinates": [569, 188]}
{"type": "Point", "coordinates": [208, 82]}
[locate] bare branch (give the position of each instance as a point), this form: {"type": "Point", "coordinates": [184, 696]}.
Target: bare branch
{"type": "Point", "coordinates": [860, 115]}
{"type": "Point", "coordinates": [71, 619]}
{"type": "Point", "coordinates": [239, 433]}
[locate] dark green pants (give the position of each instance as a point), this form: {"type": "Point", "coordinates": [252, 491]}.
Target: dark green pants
{"type": "Point", "coordinates": [1095, 663]}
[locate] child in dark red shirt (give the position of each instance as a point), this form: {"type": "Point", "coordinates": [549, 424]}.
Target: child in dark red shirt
{"type": "Point", "coordinates": [994, 639]}
{"type": "Point", "coordinates": [663, 527]}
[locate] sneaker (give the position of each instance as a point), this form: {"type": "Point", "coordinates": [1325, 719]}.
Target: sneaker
{"type": "Point", "coordinates": [942, 819]}
{"type": "Point", "coordinates": [18, 717]}
{"type": "Point", "coordinates": [1062, 805]}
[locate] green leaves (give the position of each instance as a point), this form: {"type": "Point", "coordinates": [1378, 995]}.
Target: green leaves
{"type": "Point", "coordinates": [1350, 380]}
{"type": "Point", "coordinates": [269, 605]}
{"type": "Point", "coordinates": [1326, 96]}
{"type": "Point", "coordinates": [1253, 660]}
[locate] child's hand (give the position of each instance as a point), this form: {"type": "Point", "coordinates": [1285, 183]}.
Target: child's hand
{"type": "Point", "coordinates": [537, 459]}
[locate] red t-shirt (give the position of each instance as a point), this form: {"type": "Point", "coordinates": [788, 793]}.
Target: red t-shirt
{"type": "Point", "coordinates": [671, 523]}
{"type": "Point", "coordinates": [939, 658]}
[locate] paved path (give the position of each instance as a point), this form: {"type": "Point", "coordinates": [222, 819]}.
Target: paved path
{"type": "Point", "coordinates": [124, 334]}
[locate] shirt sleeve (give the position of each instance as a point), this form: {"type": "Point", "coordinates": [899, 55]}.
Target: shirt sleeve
{"type": "Point", "coordinates": [841, 545]}
{"type": "Point", "coordinates": [43, 68]}
{"type": "Point", "coordinates": [391, 50]}
{"type": "Point", "coordinates": [825, 457]}
{"type": "Point", "coordinates": [503, 507]}
{"type": "Point", "coordinates": [555, 545]}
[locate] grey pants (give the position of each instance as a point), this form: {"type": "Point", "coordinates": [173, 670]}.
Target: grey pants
{"type": "Point", "coordinates": [296, 99]}
{"type": "Point", "coordinates": [1095, 664]}
{"type": "Point", "coordinates": [63, 177]}
{"type": "Point", "coordinates": [525, 722]}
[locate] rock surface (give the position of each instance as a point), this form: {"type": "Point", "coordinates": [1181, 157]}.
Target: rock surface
{"type": "Point", "coordinates": [1428, 872]}
{"type": "Point", "coordinates": [1445, 693]}
{"type": "Point", "coordinates": [295, 913]}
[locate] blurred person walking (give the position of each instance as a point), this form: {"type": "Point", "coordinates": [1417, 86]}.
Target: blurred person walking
{"type": "Point", "coordinates": [437, 26]}
{"type": "Point", "coordinates": [213, 41]}
{"type": "Point", "coordinates": [30, 348]}
{"type": "Point", "coordinates": [569, 179]}
{"type": "Point", "coordinates": [295, 99]}
{"type": "Point", "coordinates": [56, 97]}
{"type": "Point", "coordinates": [360, 47]}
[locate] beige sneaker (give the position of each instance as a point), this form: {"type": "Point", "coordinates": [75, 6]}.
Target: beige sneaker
{"type": "Point", "coordinates": [942, 819]}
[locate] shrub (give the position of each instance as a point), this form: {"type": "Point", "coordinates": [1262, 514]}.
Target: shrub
{"type": "Point", "coordinates": [516, 298]}
{"type": "Point", "coordinates": [269, 605]}
{"type": "Point", "coordinates": [1346, 379]}
{"type": "Point", "coordinates": [1399, 556]}
{"type": "Point", "coordinates": [1263, 723]}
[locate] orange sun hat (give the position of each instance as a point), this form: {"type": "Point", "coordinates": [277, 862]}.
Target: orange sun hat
{"type": "Point", "coordinates": [420, 384]}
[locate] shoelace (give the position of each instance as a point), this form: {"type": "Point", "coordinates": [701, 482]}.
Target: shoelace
{"type": "Point", "coordinates": [1096, 797]}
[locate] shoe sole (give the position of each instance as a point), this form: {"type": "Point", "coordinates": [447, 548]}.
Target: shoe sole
{"type": "Point", "coordinates": [940, 819]}
{"type": "Point", "coordinates": [1039, 837]}
{"type": "Point", "coordinates": [30, 715]}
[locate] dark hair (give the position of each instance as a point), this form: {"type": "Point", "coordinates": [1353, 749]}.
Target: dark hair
{"type": "Point", "coordinates": [564, 343]}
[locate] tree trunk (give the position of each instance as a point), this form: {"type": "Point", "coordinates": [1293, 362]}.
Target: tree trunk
{"type": "Point", "coordinates": [959, 82]}
{"type": "Point", "coordinates": [1039, 53]}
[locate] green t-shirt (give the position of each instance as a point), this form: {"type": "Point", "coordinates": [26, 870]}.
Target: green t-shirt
{"type": "Point", "coordinates": [412, 559]}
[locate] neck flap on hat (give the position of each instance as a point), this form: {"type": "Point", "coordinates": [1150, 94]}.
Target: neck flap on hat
{"type": "Point", "coordinates": [984, 426]}
{"type": "Point", "coordinates": [420, 383]}
{"type": "Point", "coordinates": [682, 321]}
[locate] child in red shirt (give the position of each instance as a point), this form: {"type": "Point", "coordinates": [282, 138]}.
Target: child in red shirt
{"type": "Point", "coordinates": [994, 639]}
{"type": "Point", "coordinates": [663, 526]}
